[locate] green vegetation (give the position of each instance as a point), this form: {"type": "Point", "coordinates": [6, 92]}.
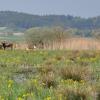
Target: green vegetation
{"type": "Point", "coordinates": [49, 36]}
{"type": "Point", "coordinates": [24, 21]}
{"type": "Point", "coordinates": [12, 38]}
{"type": "Point", "coordinates": [11, 22]}
{"type": "Point", "coordinates": [49, 75]}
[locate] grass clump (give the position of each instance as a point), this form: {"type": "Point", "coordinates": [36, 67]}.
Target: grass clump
{"type": "Point", "coordinates": [74, 90]}
{"type": "Point", "coordinates": [46, 69]}
{"type": "Point", "coordinates": [76, 73]}
{"type": "Point", "coordinates": [72, 94]}
{"type": "Point", "coordinates": [49, 75]}
{"type": "Point", "coordinates": [49, 80]}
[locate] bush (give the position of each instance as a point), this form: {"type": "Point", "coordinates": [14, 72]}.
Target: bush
{"type": "Point", "coordinates": [46, 36]}
{"type": "Point", "coordinates": [71, 94]}
{"type": "Point", "coordinates": [76, 73]}
{"type": "Point", "coordinates": [46, 69]}
{"type": "Point", "coordinates": [48, 80]}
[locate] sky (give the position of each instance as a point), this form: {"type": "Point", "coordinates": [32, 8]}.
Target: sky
{"type": "Point", "coordinates": [83, 8]}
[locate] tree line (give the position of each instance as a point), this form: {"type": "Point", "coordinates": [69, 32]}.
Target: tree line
{"type": "Point", "coordinates": [22, 20]}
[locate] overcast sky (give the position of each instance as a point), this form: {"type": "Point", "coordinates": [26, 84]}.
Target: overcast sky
{"type": "Point", "coordinates": [83, 8]}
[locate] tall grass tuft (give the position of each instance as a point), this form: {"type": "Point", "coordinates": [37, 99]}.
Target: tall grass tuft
{"type": "Point", "coordinates": [76, 73]}
{"type": "Point", "coordinates": [49, 80]}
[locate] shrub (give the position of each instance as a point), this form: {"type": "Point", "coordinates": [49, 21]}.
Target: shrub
{"type": "Point", "coordinates": [46, 69]}
{"type": "Point", "coordinates": [75, 73]}
{"type": "Point", "coordinates": [73, 90]}
{"type": "Point", "coordinates": [48, 80]}
{"type": "Point", "coordinates": [70, 94]}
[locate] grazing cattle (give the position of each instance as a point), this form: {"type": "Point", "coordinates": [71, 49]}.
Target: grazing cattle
{"type": "Point", "coordinates": [41, 44]}
{"type": "Point", "coordinates": [7, 45]}
{"type": "Point", "coordinates": [34, 47]}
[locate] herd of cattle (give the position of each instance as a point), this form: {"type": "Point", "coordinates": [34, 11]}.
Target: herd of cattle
{"type": "Point", "coordinates": [12, 45]}
{"type": "Point", "coordinates": [23, 46]}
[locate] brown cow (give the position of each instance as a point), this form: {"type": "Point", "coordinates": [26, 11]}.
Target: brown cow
{"type": "Point", "coordinates": [7, 45]}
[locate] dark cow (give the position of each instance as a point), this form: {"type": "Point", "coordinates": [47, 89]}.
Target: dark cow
{"type": "Point", "coordinates": [7, 45]}
{"type": "Point", "coordinates": [41, 44]}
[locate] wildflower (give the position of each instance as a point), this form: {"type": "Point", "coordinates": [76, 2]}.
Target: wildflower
{"type": "Point", "coordinates": [24, 95]}
{"type": "Point", "coordinates": [10, 83]}
{"type": "Point", "coordinates": [19, 98]}
{"type": "Point", "coordinates": [28, 94]}
{"type": "Point", "coordinates": [48, 98]}
{"type": "Point", "coordinates": [31, 94]}
{"type": "Point", "coordinates": [1, 98]}
{"type": "Point", "coordinates": [43, 84]}
{"type": "Point", "coordinates": [75, 82]}
{"type": "Point", "coordinates": [62, 81]}
{"type": "Point", "coordinates": [60, 96]}
{"type": "Point", "coordinates": [82, 81]}
{"type": "Point", "coordinates": [70, 81]}
{"type": "Point", "coordinates": [34, 81]}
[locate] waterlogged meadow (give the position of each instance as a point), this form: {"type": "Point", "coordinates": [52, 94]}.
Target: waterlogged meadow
{"type": "Point", "coordinates": [49, 75]}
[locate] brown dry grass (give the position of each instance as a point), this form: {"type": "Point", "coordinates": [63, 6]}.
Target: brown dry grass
{"type": "Point", "coordinates": [76, 73]}
{"type": "Point", "coordinates": [76, 44]}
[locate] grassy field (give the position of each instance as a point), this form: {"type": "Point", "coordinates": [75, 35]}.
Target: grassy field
{"type": "Point", "coordinates": [12, 38]}
{"type": "Point", "coordinates": [49, 75]}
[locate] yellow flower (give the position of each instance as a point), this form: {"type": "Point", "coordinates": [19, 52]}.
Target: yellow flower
{"type": "Point", "coordinates": [43, 84]}
{"type": "Point", "coordinates": [48, 98]}
{"type": "Point", "coordinates": [24, 95]}
{"type": "Point", "coordinates": [62, 81]}
{"type": "Point", "coordinates": [31, 94]}
{"type": "Point", "coordinates": [28, 94]}
{"type": "Point", "coordinates": [19, 98]}
{"type": "Point", "coordinates": [35, 81]}
{"type": "Point", "coordinates": [75, 82]}
{"type": "Point", "coordinates": [82, 81]}
{"type": "Point", "coordinates": [10, 83]}
{"type": "Point", "coordinates": [70, 81]}
{"type": "Point", "coordinates": [1, 98]}
{"type": "Point", "coordinates": [60, 96]}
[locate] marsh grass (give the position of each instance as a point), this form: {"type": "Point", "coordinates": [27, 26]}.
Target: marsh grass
{"type": "Point", "coordinates": [49, 75]}
{"type": "Point", "coordinates": [76, 73]}
{"type": "Point", "coordinates": [49, 80]}
{"type": "Point", "coordinates": [78, 93]}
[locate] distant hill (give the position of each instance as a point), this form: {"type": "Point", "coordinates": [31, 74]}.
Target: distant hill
{"type": "Point", "coordinates": [21, 21]}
